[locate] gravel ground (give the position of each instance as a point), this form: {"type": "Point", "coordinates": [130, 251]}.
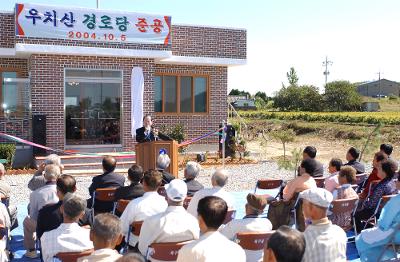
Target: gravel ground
{"type": "Point", "coordinates": [242, 177]}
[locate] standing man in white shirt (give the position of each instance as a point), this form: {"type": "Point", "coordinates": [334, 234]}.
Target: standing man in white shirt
{"type": "Point", "coordinates": [173, 225]}
{"type": "Point", "coordinates": [38, 199]}
{"type": "Point", "coordinates": [212, 245]}
{"type": "Point", "coordinates": [69, 236]}
{"type": "Point", "coordinates": [218, 181]}
{"type": "Point", "coordinates": [252, 222]}
{"type": "Point", "coordinates": [151, 203]}
{"type": "Point", "coordinates": [324, 241]}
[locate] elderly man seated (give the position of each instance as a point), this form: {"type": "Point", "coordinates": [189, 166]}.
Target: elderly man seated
{"type": "Point", "coordinates": [38, 180]}
{"type": "Point", "coordinates": [38, 199]}
{"type": "Point", "coordinates": [173, 225]}
{"type": "Point", "coordinates": [218, 181]}
{"type": "Point", "coordinates": [324, 241]}
{"type": "Point", "coordinates": [252, 222]}
{"type": "Point", "coordinates": [163, 162]}
{"type": "Point", "coordinates": [370, 242]}
{"type": "Point", "coordinates": [106, 235]}
{"type": "Point", "coordinates": [212, 245]}
{"type": "Point", "coordinates": [69, 236]}
{"type": "Point", "coordinates": [191, 171]}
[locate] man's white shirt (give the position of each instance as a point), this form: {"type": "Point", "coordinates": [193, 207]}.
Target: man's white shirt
{"type": "Point", "coordinates": [214, 191]}
{"type": "Point", "coordinates": [66, 238]}
{"type": "Point", "coordinates": [173, 225]}
{"type": "Point", "coordinates": [151, 203]}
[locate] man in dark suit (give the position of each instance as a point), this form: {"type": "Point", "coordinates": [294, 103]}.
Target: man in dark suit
{"type": "Point", "coordinates": [191, 171]}
{"type": "Point", "coordinates": [106, 180]}
{"type": "Point", "coordinates": [310, 152]}
{"type": "Point", "coordinates": [352, 155]}
{"type": "Point", "coordinates": [135, 189]}
{"type": "Point", "coordinates": [148, 133]}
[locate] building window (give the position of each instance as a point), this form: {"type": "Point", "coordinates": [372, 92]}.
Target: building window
{"type": "Point", "coordinates": [14, 94]}
{"type": "Point", "coordinates": [183, 94]}
{"type": "Point", "coordinates": [92, 107]}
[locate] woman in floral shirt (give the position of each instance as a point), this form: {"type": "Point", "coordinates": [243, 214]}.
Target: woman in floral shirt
{"type": "Point", "coordinates": [386, 171]}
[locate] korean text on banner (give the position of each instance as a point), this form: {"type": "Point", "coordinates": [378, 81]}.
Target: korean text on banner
{"type": "Point", "coordinates": [83, 24]}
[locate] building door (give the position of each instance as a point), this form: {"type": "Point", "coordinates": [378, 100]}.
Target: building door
{"type": "Point", "coordinates": [92, 107]}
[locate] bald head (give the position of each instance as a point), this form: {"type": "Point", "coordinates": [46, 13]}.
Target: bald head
{"type": "Point", "coordinates": [219, 178]}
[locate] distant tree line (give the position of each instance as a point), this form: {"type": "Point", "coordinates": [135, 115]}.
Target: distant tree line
{"type": "Point", "coordinates": [338, 96]}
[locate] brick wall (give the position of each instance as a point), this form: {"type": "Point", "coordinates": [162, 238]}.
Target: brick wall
{"type": "Point", "coordinates": [7, 30]}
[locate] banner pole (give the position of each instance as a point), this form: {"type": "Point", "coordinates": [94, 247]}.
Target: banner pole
{"type": "Point", "coordinates": [223, 143]}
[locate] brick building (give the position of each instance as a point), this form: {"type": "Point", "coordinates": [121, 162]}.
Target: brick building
{"type": "Point", "coordinates": [83, 87]}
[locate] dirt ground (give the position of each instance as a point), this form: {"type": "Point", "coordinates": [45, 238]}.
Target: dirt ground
{"type": "Point", "coordinates": [326, 149]}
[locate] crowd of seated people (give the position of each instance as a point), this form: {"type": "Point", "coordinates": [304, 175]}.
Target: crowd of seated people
{"type": "Point", "coordinates": [62, 221]}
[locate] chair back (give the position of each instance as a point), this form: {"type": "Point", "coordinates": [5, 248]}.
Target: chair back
{"type": "Point", "coordinates": [186, 202]}
{"type": "Point", "coordinates": [229, 216]}
{"type": "Point", "coordinates": [268, 184]}
{"type": "Point", "coordinates": [136, 227]}
{"type": "Point", "coordinates": [105, 194]}
{"type": "Point", "coordinates": [72, 256]}
{"type": "Point", "coordinates": [121, 205]}
{"type": "Point", "coordinates": [341, 206]}
{"type": "Point", "coordinates": [360, 178]}
{"type": "Point", "coordinates": [320, 181]}
{"type": "Point", "coordinates": [165, 251]}
{"type": "Point", "coordinates": [253, 240]}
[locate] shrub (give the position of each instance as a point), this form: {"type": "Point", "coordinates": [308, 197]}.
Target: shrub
{"type": "Point", "coordinates": [7, 151]}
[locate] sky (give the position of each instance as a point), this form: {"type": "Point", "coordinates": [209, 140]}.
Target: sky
{"type": "Point", "coordinates": [360, 37]}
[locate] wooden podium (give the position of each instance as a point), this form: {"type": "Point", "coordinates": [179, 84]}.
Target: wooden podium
{"type": "Point", "coordinates": [147, 153]}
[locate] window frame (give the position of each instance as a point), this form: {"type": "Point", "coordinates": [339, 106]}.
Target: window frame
{"type": "Point", "coordinates": [19, 72]}
{"type": "Point", "coordinates": [178, 95]}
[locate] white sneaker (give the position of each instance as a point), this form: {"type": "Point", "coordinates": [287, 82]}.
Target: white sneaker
{"type": "Point", "coordinates": [31, 254]}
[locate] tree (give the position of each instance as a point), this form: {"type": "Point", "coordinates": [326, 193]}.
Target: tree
{"type": "Point", "coordinates": [284, 136]}
{"type": "Point", "coordinates": [292, 77]}
{"type": "Point", "coordinates": [237, 92]}
{"type": "Point", "coordinates": [342, 96]}
{"type": "Point", "coordinates": [261, 95]}
{"type": "Point", "coordinates": [303, 98]}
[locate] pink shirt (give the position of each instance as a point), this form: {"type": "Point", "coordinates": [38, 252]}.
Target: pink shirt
{"type": "Point", "coordinates": [299, 184]}
{"type": "Point", "coordinates": [331, 182]}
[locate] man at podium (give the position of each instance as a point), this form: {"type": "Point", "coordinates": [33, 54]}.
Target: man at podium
{"type": "Point", "coordinates": [147, 133]}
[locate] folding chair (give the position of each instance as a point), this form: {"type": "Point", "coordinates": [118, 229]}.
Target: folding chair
{"type": "Point", "coordinates": [361, 178]}
{"type": "Point", "coordinates": [134, 228]}
{"type": "Point", "coordinates": [269, 184]}
{"type": "Point", "coordinates": [230, 215]}
{"type": "Point", "coordinates": [320, 181]}
{"type": "Point", "coordinates": [72, 256]}
{"type": "Point", "coordinates": [103, 194]}
{"type": "Point", "coordinates": [164, 251]}
{"type": "Point", "coordinates": [253, 240]}
{"type": "Point", "coordinates": [341, 206]}
{"type": "Point", "coordinates": [372, 219]}
{"type": "Point", "coordinates": [120, 205]}
{"type": "Point", "coordinates": [293, 210]}
{"type": "Point", "coordinates": [186, 202]}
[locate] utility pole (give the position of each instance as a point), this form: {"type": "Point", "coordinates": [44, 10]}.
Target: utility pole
{"type": "Point", "coordinates": [379, 83]}
{"type": "Point", "coordinates": [97, 4]}
{"type": "Point", "coordinates": [326, 63]}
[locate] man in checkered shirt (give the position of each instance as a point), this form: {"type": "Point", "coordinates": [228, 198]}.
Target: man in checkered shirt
{"type": "Point", "coordinates": [324, 241]}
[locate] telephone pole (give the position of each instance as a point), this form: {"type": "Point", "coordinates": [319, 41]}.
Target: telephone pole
{"type": "Point", "coordinates": [97, 4]}
{"type": "Point", "coordinates": [326, 63]}
{"type": "Point", "coordinates": [379, 84]}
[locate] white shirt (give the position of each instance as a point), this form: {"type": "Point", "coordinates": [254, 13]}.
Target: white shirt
{"type": "Point", "coordinates": [250, 224]}
{"type": "Point", "coordinates": [66, 238]}
{"type": "Point", "coordinates": [332, 182]}
{"type": "Point", "coordinates": [151, 203]}
{"type": "Point", "coordinates": [324, 242]}
{"type": "Point", "coordinates": [101, 255]}
{"type": "Point", "coordinates": [5, 221]}
{"type": "Point", "coordinates": [41, 197]}
{"type": "Point", "coordinates": [214, 191]}
{"type": "Point", "coordinates": [212, 246]}
{"type": "Point", "coordinates": [173, 225]}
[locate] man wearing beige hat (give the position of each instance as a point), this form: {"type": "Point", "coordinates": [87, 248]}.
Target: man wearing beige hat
{"type": "Point", "coordinates": [173, 225]}
{"type": "Point", "coordinates": [252, 222]}
{"type": "Point", "coordinates": [324, 241]}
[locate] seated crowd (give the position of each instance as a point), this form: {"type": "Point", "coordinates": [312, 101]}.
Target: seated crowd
{"type": "Point", "coordinates": [163, 209]}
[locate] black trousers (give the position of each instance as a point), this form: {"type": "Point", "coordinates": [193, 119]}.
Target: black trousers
{"type": "Point", "coordinates": [363, 214]}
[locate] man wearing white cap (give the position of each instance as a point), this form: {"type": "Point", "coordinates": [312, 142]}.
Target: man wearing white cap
{"type": "Point", "coordinates": [324, 241]}
{"type": "Point", "coordinates": [173, 225]}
